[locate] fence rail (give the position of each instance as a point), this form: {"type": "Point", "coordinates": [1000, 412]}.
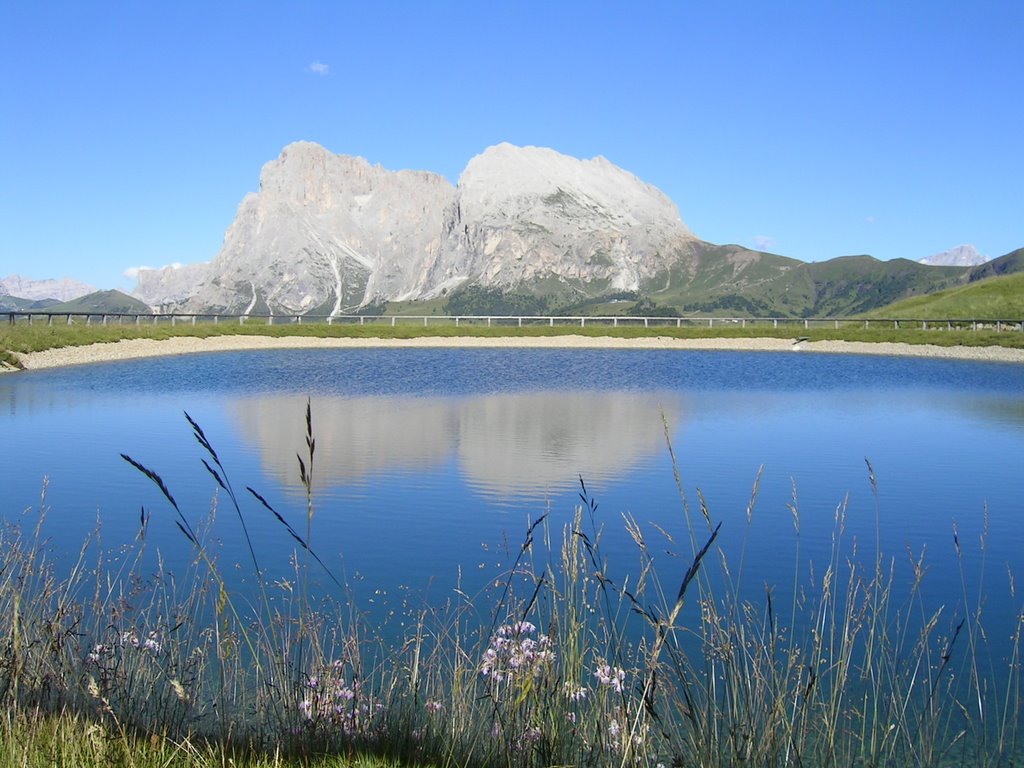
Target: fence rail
{"type": "Point", "coordinates": [134, 318]}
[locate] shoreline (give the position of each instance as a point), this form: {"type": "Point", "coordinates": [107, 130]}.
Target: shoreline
{"type": "Point", "coordinates": [132, 349]}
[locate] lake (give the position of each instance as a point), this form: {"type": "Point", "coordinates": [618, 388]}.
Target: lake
{"type": "Point", "coordinates": [431, 464]}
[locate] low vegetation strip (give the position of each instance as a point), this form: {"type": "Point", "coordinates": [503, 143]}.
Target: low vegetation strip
{"type": "Point", "coordinates": [19, 341]}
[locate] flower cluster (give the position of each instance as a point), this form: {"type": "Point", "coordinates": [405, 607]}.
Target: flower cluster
{"type": "Point", "coordinates": [611, 677]}
{"type": "Point", "coordinates": [148, 643]}
{"type": "Point", "coordinates": [97, 653]}
{"type": "Point", "coordinates": [574, 692]}
{"type": "Point", "coordinates": [332, 700]}
{"type": "Point", "coordinates": [515, 653]}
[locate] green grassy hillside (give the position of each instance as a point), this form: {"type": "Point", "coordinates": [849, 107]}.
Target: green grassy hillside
{"type": "Point", "coordinates": [15, 304]}
{"type": "Point", "coordinates": [747, 283]}
{"type": "Point", "coordinates": [1004, 265]}
{"type": "Point", "coordinates": [994, 298]}
{"type": "Point", "coordinates": [103, 301]}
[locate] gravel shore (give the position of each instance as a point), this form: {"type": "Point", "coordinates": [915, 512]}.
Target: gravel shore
{"type": "Point", "coordinates": [136, 348]}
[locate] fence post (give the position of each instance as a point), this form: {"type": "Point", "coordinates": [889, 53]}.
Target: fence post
{"type": "Point", "coordinates": [392, 322]}
{"type": "Point", "coordinates": [711, 322]}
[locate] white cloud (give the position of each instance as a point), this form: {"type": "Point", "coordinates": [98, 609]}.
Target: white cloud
{"type": "Point", "coordinates": [764, 242]}
{"type": "Point", "coordinates": [319, 68]}
{"type": "Point", "coordinates": [869, 219]}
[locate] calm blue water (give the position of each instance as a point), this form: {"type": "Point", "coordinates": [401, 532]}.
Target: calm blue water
{"type": "Point", "coordinates": [430, 464]}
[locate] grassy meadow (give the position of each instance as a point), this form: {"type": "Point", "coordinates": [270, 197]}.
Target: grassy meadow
{"type": "Point", "coordinates": [560, 661]}
{"type": "Point", "coordinates": [23, 338]}
{"type": "Point", "coordinates": [992, 299]}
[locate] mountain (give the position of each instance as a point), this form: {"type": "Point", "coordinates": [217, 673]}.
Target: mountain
{"type": "Point", "coordinates": [64, 289]}
{"type": "Point", "coordinates": [325, 233]}
{"type": "Point", "coordinates": [328, 233]}
{"type": "Point", "coordinates": [995, 291]}
{"type": "Point", "coordinates": [15, 304]}
{"type": "Point", "coordinates": [1004, 265]}
{"type": "Point", "coordinates": [526, 216]}
{"type": "Point", "coordinates": [961, 256]}
{"type": "Point", "coordinates": [525, 231]}
{"type": "Point", "coordinates": [113, 302]}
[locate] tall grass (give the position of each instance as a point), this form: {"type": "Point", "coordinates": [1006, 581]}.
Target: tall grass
{"type": "Point", "coordinates": [562, 660]}
{"type": "Point", "coordinates": [22, 338]}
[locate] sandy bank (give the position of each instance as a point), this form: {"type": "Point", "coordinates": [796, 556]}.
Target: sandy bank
{"type": "Point", "coordinates": [137, 348]}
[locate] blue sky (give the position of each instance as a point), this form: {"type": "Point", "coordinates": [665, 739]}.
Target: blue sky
{"type": "Point", "coordinates": [131, 131]}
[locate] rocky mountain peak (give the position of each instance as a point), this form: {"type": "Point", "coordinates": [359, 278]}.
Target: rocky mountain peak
{"type": "Point", "coordinates": [568, 186]}
{"type": "Point", "coordinates": [960, 256]}
{"type": "Point", "coordinates": [328, 233]}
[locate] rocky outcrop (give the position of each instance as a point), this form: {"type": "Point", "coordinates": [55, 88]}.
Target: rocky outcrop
{"type": "Point", "coordinates": [325, 233]}
{"type": "Point", "coordinates": [329, 233]}
{"type": "Point", "coordinates": [961, 256]}
{"type": "Point", "coordinates": [529, 214]}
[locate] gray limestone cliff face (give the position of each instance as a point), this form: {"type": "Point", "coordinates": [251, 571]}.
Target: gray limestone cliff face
{"type": "Point", "coordinates": [324, 233]}
{"type": "Point", "coordinates": [329, 233]}
{"type": "Point", "coordinates": [526, 214]}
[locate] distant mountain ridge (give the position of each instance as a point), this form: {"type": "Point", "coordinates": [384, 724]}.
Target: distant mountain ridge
{"type": "Point", "coordinates": [64, 289]}
{"type": "Point", "coordinates": [960, 256]}
{"type": "Point", "coordinates": [526, 230]}
{"type": "Point", "coordinates": [112, 301]}
{"type": "Point", "coordinates": [331, 233]}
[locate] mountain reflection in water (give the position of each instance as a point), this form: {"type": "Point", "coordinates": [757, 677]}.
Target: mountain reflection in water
{"type": "Point", "coordinates": [514, 444]}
